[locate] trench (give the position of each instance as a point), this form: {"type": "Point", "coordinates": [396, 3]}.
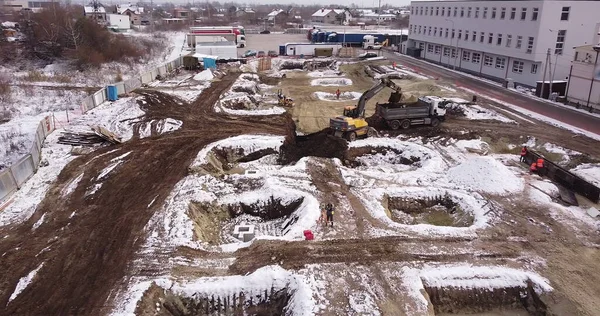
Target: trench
{"type": "Point", "coordinates": [440, 210]}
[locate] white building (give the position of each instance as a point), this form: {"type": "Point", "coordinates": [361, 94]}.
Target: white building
{"type": "Point", "coordinates": [584, 79]}
{"type": "Point", "coordinates": [503, 39]}
{"type": "Point", "coordinates": [331, 16]}
{"type": "Point", "coordinates": [118, 22]}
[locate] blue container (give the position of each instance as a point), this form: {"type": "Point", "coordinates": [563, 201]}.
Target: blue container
{"type": "Point", "coordinates": [209, 63]}
{"type": "Point", "coordinates": [282, 50]}
{"type": "Point", "coordinates": [111, 93]}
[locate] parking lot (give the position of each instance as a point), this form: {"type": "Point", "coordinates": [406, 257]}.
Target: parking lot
{"type": "Point", "coordinates": [267, 42]}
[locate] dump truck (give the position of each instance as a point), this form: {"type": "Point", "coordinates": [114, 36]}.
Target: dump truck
{"type": "Point", "coordinates": [429, 110]}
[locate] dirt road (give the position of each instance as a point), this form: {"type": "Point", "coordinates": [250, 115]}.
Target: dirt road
{"type": "Point", "coordinates": [88, 237]}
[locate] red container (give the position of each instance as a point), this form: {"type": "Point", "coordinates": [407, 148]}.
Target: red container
{"type": "Point", "coordinates": [308, 235]}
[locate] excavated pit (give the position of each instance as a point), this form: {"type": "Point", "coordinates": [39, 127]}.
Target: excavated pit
{"type": "Point", "coordinates": [508, 301]}
{"type": "Point", "coordinates": [319, 144]}
{"type": "Point", "coordinates": [225, 160]}
{"type": "Point", "coordinates": [436, 210]}
{"type": "Point", "coordinates": [369, 156]}
{"type": "Point", "coordinates": [267, 302]}
{"type": "Point", "coordinates": [214, 223]}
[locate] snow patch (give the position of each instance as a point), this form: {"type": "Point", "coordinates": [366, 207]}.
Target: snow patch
{"type": "Point", "coordinates": [24, 282]}
{"type": "Point", "coordinates": [344, 96]}
{"type": "Point", "coordinates": [204, 75]}
{"type": "Point", "coordinates": [589, 172]}
{"type": "Point", "coordinates": [249, 143]}
{"type": "Point", "coordinates": [331, 82]}
{"type": "Point", "coordinates": [485, 174]}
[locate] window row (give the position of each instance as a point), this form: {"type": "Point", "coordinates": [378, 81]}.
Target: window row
{"type": "Point", "coordinates": [500, 40]}
{"type": "Point", "coordinates": [489, 61]}
{"type": "Point", "coordinates": [482, 12]}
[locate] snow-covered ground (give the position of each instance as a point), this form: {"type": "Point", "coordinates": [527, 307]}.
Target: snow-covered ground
{"type": "Point", "coordinates": [344, 96]}
{"type": "Point", "coordinates": [331, 82]}
{"type": "Point", "coordinates": [589, 172]}
{"type": "Point", "coordinates": [248, 96]}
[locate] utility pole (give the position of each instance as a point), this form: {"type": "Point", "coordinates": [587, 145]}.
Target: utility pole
{"type": "Point", "coordinates": [379, 14]}
{"type": "Point", "coordinates": [544, 76]}
{"type": "Point", "coordinates": [553, 73]}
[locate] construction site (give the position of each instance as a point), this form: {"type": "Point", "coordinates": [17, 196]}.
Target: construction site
{"type": "Point", "coordinates": [204, 193]}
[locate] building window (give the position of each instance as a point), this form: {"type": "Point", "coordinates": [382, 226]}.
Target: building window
{"type": "Point", "coordinates": [474, 36]}
{"type": "Point", "coordinates": [564, 16]}
{"type": "Point", "coordinates": [476, 58]}
{"type": "Point", "coordinates": [493, 13]}
{"type": "Point", "coordinates": [421, 46]}
{"type": "Point", "coordinates": [502, 13]}
{"type": "Point", "coordinates": [455, 11]}
{"type": "Point", "coordinates": [430, 48]}
{"type": "Point", "coordinates": [452, 33]}
{"type": "Point", "coordinates": [466, 56]}
{"type": "Point", "coordinates": [500, 63]}
{"type": "Point", "coordinates": [508, 40]}
{"type": "Point", "coordinates": [485, 13]}
{"type": "Point", "coordinates": [466, 35]}
{"type": "Point", "coordinates": [448, 12]}
{"type": "Point", "coordinates": [435, 31]}
{"type": "Point", "coordinates": [459, 34]}
{"type": "Point", "coordinates": [560, 42]}
{"type": "Point", "coordinates": [490, 38]}
{"type": "Point", "coordinates": [519, 42]}
{"type": "Point", "coordinates": [488, 61]}
{"type": "Point", "coordinates": [446, 33]}
{"type": "Point", "coordinates": [426, 10]}
{"type": "Point", "coordinates": [534, 68]}
{"type": "Point", "coordinates": [438, 49]}
{"type": "Point", "coordinates": [523, 14]}
{"type": "Point", "coordinates": [443, 10]}
{"type": "Point", "coordinates": [419, 29]}
{"type": "Point", "coordinates": [530, 45]}
{"type": "Point", "coordinates": [534, 14]}
{"type": "Point", "coordinates": [454, 53]}
{"type": "Point", "coordinates": [437, 11]}
{"type": "Point", "coordinates": [517, 66]}
{"type": "Point", "coordinates": [513, 13]}
{"type": "Point", "coordinates": [481, 37]}
{"type": "Point", "coordinates": [446, 51]}
{"type": "Point", "coordinates": [469, 12]}
{"type": "Point", "coordinates": [462, 12]}
{"type": "Point", "coordinates": [429, 31]}
{"type": "Point", "coordinates": [477, 12]}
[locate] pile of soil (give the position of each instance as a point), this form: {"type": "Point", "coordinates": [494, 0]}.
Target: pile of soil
{"type": "Point", "coordinates": [319, 144]}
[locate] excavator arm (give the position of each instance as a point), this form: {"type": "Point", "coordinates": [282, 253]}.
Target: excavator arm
{"type": "Point", "coordinates": [359, 111]}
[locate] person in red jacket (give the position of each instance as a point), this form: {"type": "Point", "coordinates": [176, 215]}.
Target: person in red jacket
{"type": "Point", "coordinates": [523, 153]}
{"type": "Point", "coordinates": [540, 166]}
{"type": "Point", "coordinates": [533, 168]}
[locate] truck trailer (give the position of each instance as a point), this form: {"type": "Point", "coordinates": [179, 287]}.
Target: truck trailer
{"type": "Point", "coordinates": [234, 34]}
{"type": "Point", "coordinates": [430, 110]}
{"type": "Point", "coordinates": [307, 49]}
{"type": "Point", "coordinates": [223, 50]}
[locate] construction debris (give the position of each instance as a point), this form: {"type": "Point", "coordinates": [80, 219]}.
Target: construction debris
{"type": "Point", "coordinates": [99, 135]}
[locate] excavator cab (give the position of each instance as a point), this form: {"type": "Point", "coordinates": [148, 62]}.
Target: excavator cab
{"type": "Point", "coordinates": [351, 111]}
{"type": "Point", "coordinates": [282, 100]}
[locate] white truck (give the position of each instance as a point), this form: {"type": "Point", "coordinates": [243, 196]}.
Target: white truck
{"type": "Point", "coordinates": [223, 50]}
{"type": "Point", "coordinates": [198, 34]}
{"type": "Point", "coordinates": [307, 49]}
{"type": "Point", "coordinates": [370, 42]}
{"type": "Point", "coordinates": [430, 110]}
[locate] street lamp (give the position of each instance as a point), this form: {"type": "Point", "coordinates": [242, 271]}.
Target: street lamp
{"type": "Point", "coordinates": [456, 46]}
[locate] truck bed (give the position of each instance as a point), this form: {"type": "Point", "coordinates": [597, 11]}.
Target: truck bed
{"type": "Point", "coordinates": [400, 111]}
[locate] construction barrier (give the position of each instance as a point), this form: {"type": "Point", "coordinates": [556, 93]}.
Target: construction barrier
{"type": "Point", "coordinates": [12, 178]}
{"type": "Point", "coordinates": [565, 178]}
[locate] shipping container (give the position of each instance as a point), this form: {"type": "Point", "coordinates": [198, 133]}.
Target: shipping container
{"type": "Point", "coordinates": [307, 49]}
{"type": "Point", "coordinates": [223, 50]}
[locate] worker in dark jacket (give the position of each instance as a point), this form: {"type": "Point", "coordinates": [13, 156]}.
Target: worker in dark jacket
{"type": "Point", "coordinates": [523, 153]}
{"type": "Point", "coordinates": [329, 210]}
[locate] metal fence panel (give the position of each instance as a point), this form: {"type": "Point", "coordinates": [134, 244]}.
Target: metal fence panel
{"type": "Point", "coordinates": [162, 70]}
{"type": "Point", "coordinates": [99, 97]}
{"type": "Point", "coordinates": [23, 169]}
{"type": "Point", "coordinates": [7, 185]}
{"type": "Point", "coordinates": [120, 88]}
{"type": "Point", "coordinates": [36, 154]}
{"type": "Point", "coordinates": [87, 104]}
{"type": "Point", "coordinates": [132, 84]}
{"type": "Point", "coordinates": [154, 73]}
{"type": "Point", "coordinates": [39, 136]}
{"type": "Point", "coordinates": [147, 78]}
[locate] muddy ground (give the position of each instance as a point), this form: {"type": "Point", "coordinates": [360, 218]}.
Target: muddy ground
{"type": "Point", "coordinates": [88, 241]}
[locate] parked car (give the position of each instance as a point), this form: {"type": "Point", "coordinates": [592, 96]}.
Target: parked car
{"type": "Point", "coordinates": [261, 53]}
{"type": "Point", "coordinates": [265, 32]}
{"type": "Point", "coordinates": [367, 55]}
{"type": "Point", "coordinates": [272, 53]}
{"type": "Point", "coordinates": [249, 53]}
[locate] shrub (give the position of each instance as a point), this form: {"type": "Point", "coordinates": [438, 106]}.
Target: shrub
{"type": "Point", "coordinates": [34, 75]}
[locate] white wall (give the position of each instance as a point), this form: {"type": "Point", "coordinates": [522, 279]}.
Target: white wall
{"type": "Point", "coordinates": [119, 21]}
{"type": "Point", "coordinates": [580, 83]}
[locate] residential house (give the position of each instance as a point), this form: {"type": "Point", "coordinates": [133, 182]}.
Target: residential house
{"type": "Point", "coordinates": [118, 22]}
{"type": "Point", "coordinates": [245, 13]}
{"type": "Point", "coordinates": [182, 13]}
{"type": "Point", "coordinates": [502, 40]}
{"type": "Point", "coordinates": [331, 16]}
{"type": "Point", "coordinates": [374, 17]}
{"type": "Point", "coordinates": [135, 13]}
{"type": "Point", "coordinates": [274, 15]}
{"type": "Point", "coordinates": [97, 13]}
{"type": "Point", "coordinates": [28, 5]}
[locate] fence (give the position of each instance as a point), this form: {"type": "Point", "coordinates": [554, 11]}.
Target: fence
{"type": "Point", "coordinates": [12, 178]}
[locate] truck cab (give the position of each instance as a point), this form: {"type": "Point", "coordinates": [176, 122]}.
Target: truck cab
{"type": "Point", "coordinates": [370, 42]}
{"type": "Point", "coordinates": [240, 40]}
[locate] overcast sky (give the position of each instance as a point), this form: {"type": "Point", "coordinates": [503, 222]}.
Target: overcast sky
{"type": "Point", "coordinates": [359, 3]}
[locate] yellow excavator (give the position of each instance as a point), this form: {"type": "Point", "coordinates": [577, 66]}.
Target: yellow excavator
{"type": "Point", "coordinates": [283, 100]}
{"type": "Point", "coordinates": [353, 124]}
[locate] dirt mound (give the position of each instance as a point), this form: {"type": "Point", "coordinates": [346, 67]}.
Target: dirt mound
{"type": "Point", "coordinates": [319, 144]}
{"type": "Point", "coordinates": [353, 155]}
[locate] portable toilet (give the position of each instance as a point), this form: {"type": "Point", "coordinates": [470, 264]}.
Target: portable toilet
{"type": "Point", "coordinates": [282, 50]}
{"type": "Point", "coordinates": [209, 63]}
{"type": "Point", "coordinates": [111, 93]}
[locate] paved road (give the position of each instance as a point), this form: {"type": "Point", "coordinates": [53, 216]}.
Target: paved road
{"type": "Point", "coordinates": [565, 115]}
